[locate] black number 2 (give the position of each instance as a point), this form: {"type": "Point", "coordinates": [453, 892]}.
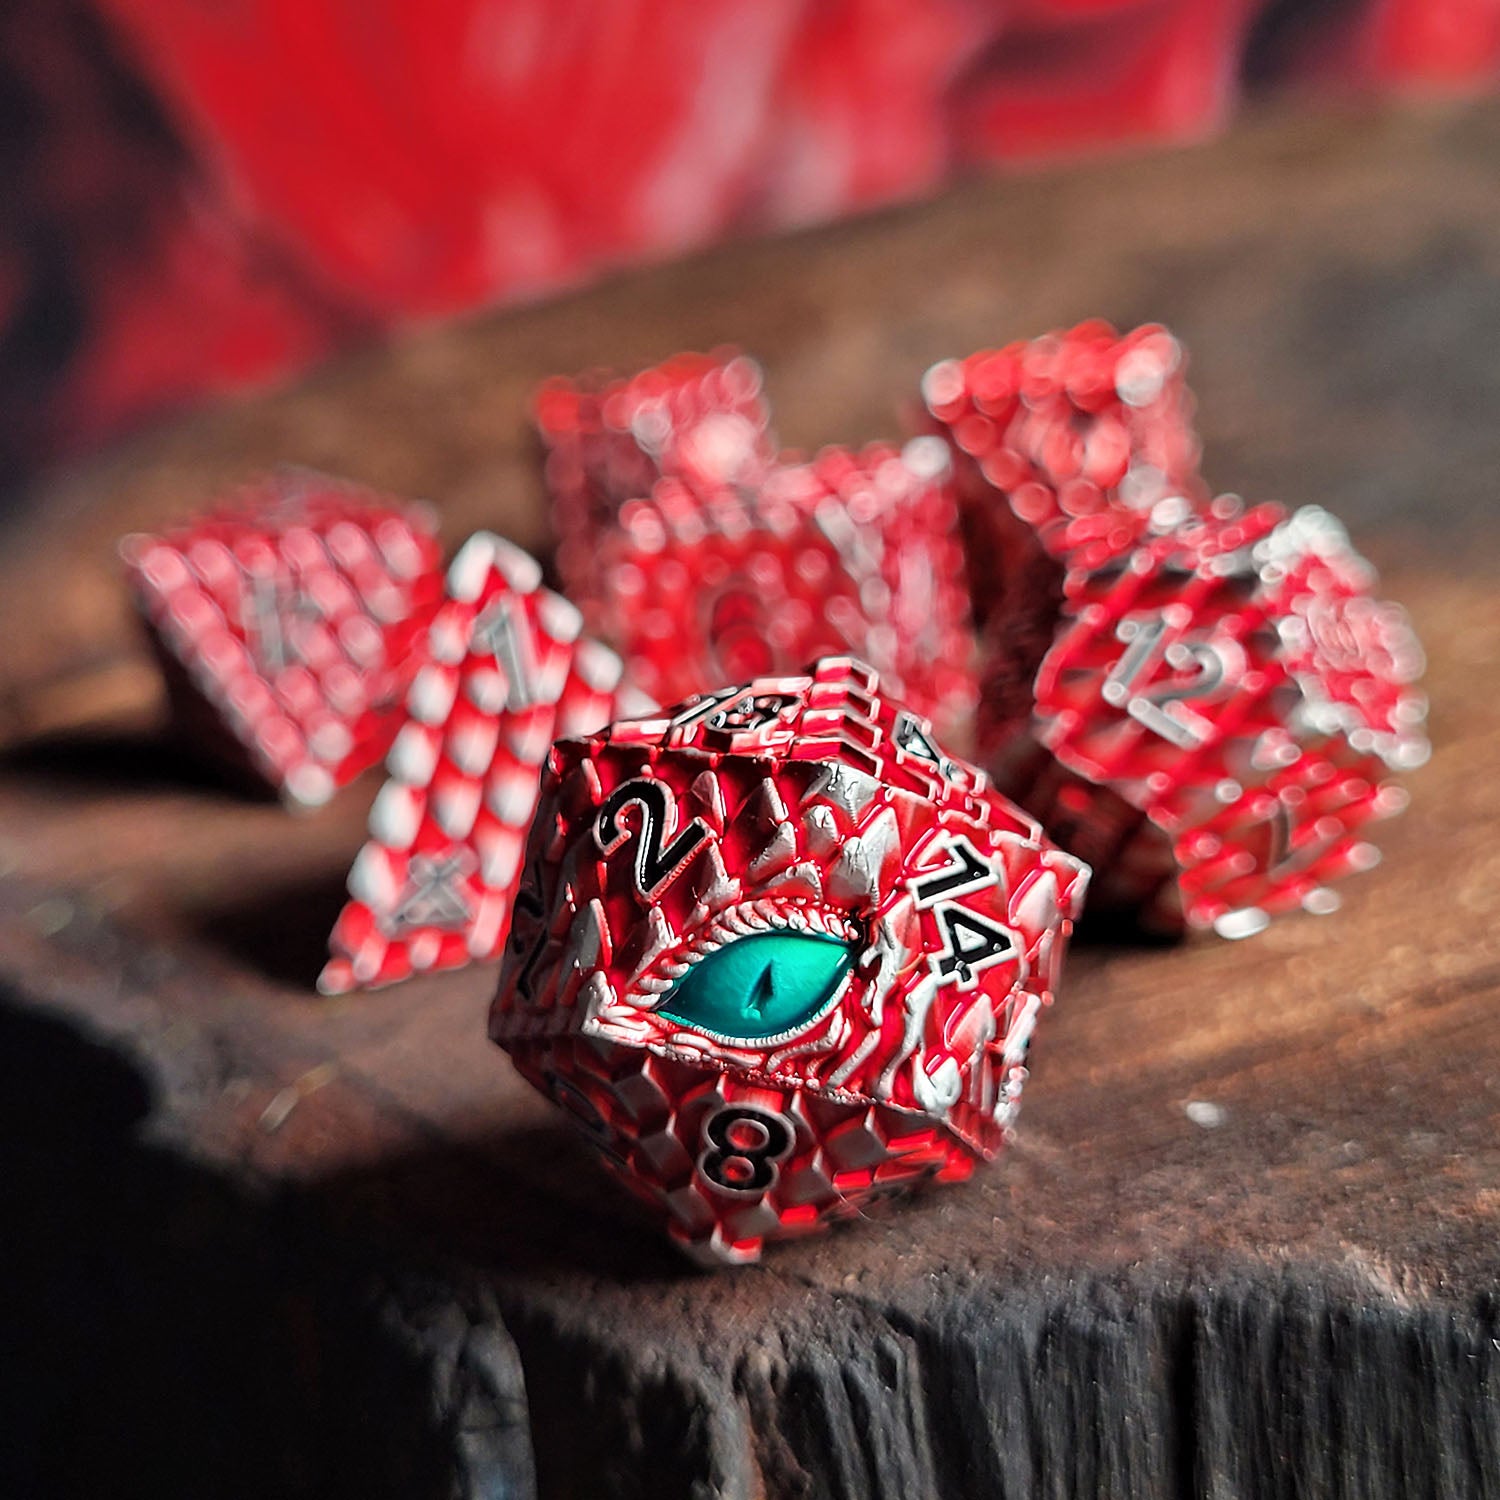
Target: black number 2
{"type": "Point", "coordinates": [744, 1147]}
{"type": "Point", "coordinates": [655, 866]}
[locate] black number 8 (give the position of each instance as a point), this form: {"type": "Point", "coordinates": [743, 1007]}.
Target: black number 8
{"type": "Point", "coordinates": [744, 1148]}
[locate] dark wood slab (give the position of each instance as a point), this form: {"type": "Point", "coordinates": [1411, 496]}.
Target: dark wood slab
{"type": "Point", "coordinates": [271, 1244]}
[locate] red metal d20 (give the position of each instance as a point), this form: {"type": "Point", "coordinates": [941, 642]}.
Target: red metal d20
{"type": "Point", "coordinates": [779, 956]}
{"type": "Point", "coordinates": [285, 622]}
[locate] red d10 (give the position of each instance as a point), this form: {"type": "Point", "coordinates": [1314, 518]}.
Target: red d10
{"type": "Point", "coordinates": [1068, 450]}
{"type": "Point", "coordinates": [779, 956]}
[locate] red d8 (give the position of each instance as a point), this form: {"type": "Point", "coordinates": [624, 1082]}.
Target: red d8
{"type": "Point", "coordinates": [779, 956]}
{"type": "Point", "coordinates": [285, 622]}
{"type": "Point", "coordinates": [1220, 718]}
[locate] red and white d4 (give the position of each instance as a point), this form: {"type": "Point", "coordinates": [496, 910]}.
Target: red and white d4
{"type": "Point", "coordinates": [502, 671]}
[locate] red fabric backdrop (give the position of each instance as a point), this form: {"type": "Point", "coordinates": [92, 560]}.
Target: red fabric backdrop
{"type": "Point", "coordinates": [199, 195]}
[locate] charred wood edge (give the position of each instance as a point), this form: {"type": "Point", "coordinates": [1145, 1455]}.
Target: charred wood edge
{"type": "Point", "coordinates": [1260, 1382]}
{"type": "Point", "coordinates": [426, 1377]}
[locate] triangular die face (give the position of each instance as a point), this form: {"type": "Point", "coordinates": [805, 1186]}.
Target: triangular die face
{"type": "Point", "coordinates": [448, 832]}
{"type": "Point", "coordinates": [290, 616]}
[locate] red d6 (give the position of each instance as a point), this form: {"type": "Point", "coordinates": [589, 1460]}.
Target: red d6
{"type": "Point", "coordinates": [1220, 717]}
{"type": "Point", "coordinates": [699, 418]}
{"type": "Point", "coordinates": [1068, 449]}
{"type": "Point", "coordinates": [779, 956]}
{"type": "Point", "coordinates": [285, 620]}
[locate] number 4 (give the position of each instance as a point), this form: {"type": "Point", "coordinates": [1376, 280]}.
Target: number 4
{"type": "Point", "coordinates": [967, 871]}
{"type": "Point", "coordinates": [971, 944]}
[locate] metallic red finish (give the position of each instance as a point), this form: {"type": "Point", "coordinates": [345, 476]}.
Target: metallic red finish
{"type": "Point", "coordinates": [813, 805]}
{"type": "Point", "coordinates": [285, 620]}
{"type": "Point", "coordinates": [698, 418]}
{"type": "Point", "coordinates": [1222, 713]}
{"type": "Point", "coordinates": [501, 671]}
{"type": "Point", "coordinates": [1068, 449]}
{"type": "Point", "coordinates": [850, 553]}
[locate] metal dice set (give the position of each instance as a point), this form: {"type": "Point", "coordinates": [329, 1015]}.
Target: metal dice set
{"type": "Point", "coordinates": [775, 949]}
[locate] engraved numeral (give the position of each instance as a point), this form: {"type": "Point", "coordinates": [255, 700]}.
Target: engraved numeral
{"type": "Point", "coordinates": [702, 707]}
{"type": "Point", "coordinates": [1152, 706]}
{"type": "Point", "coordinates": [966, 871]}
{"type": "Point", "coordinates": [436, 894]}
{"type": "Point", "coordinates": [744, 1147]}
{"type": "Point", "coordinates": [755, 712]}
{"type": "Point", "coordinates": [971, 944]}
{"type": "Point", "coordinates": [508, 639]}
{"type": "Point", "coordinates": [268, 608]}
{"type": "Point", "coordinates": [655, 867]}
{"type": "Point", "coordinates": [913, 738]}
{"type": "Point", "coordinates": [1282, 859]}
{"type": "Point", "coordinates": [584, 1113]}
{"type": "Point", "coordinates": [527, 912]}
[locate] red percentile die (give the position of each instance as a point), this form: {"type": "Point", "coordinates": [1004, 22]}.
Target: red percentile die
{"type": "Point", "coordinates": [284, 622]}
{"type": "Point", "coordinates": [1068, 449]}
{"type": "Point", "coordinates": [779, 956]}
{"type": "Point", "coordinates": [852, 553]}
{"type": "Point", "coordinates": [1220, 718]}
{"type": "Point", "coordinates": [503, 670]}
{"type": "Point", "coordinates": [700, 418]}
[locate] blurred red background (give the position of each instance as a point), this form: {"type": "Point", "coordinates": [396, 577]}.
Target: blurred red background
{"type": "Point", "coordinates": [197, 195]}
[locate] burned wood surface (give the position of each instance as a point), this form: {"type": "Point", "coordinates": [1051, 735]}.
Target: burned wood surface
{"type": "Point", "coordinates": [1246, 1245]}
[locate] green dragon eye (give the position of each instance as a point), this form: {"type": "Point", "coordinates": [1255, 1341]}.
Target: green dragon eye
{"type": "Point", "coordinates": [760, 986]}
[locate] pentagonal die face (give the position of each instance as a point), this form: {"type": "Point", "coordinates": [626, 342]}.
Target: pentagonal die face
{"type": "Point", "coordinates": [785, 898]}
{"type": "Point", "coordinates": [1239, 692]}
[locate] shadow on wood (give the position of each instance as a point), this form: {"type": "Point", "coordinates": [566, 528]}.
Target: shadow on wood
{"type": "Point", "coordinates": [170, 1332]}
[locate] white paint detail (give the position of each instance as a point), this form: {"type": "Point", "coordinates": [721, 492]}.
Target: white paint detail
{"type": "Point", "coordinates": [395, 815]}
{"type": "Point", "coordinates": [470, 568]}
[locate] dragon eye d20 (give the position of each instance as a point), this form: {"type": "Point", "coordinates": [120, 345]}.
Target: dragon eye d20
{"type": "Point", "coordinates": [780, 956]}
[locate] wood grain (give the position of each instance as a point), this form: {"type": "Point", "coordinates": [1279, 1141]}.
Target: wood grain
{"type": "Point", "coordinates": [1298, 1297]}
